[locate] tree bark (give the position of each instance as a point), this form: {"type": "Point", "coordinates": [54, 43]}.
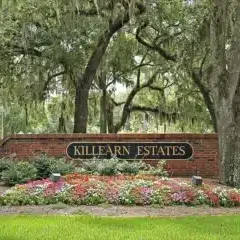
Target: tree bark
{"type": "Point", "coordinates": [103, 112]}
{"type": "Point", "coordinates": [110, 109]}
{"type": "Point", "coordinates": [225, 88]}
{"type": "Point", "coordinates": [61, 125]}
{"type": "Point", "coordinates": [229, 142]}
{"type": "Point", "coordinates": [81, 111]}
{"type": "Point", "coordinates": [207, 98]}
{"type": "Point", "coordinates": [102, 84]}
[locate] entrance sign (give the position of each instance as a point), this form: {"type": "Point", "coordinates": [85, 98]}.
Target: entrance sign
{"type": "Point", "coordinates": [130, 150]}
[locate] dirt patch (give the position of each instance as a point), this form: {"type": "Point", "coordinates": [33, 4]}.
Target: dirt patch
{"type": "Point", "coordinates": [118, 211]}
{"type": "Point", "coordinates": [207, 181]}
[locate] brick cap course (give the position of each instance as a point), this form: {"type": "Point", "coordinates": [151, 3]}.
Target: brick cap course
{"type": "Point", "coordinates": [101, 136]}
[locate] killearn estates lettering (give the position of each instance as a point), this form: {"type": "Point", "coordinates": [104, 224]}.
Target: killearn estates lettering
{"type": "Point", "coordinates": [130, 150]}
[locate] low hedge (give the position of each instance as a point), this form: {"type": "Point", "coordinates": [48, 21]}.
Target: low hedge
{"type": "Point", "coordinates": [39, 168]}
{"type": "Point", "coordinates": [42, 166]}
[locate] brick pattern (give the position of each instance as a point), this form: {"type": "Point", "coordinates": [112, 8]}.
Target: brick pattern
{"type": "Point", "coordinates": [204, 161]}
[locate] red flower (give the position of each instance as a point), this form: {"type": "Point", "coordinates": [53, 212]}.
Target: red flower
{"type": "Point", "coordinates": [79, 191]}
{"type": "Point", "coordinates": [213, 198]}
{"type": "Point", "coordinates": [234, 197]}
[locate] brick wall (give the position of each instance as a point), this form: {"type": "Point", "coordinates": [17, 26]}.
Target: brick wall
{"type": "Point", "coordinates": [204, 161]}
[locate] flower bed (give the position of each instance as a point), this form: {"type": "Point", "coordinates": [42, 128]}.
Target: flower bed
{"type": "Point", "coordinates": [125, 190]}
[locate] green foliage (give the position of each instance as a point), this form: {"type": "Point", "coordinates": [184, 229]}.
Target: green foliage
{"type": "Point", "coordinates": [46, 165]}
{"type": "Point", "coordinates": [90, 166]}
{"type": "Point", "coordinates": [42, 163]}
{"type": "Point", "coordinates": [19, 173]}
{"type": "Point", "coordinates": [129, 167]}
{"type": "Point", "coordinates": [5, 164]}
{"type": "Point", "coordinates": [61, 166]}
{"type": "Point", "coordinates": [41, 38]}
{"type": "Point", "coordinates": [108, 167]}
{"type": "Point", "coordinates": [158, 170]}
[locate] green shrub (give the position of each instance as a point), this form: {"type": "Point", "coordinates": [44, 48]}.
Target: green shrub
{"type": "Point", "coordinates": [108, 167]}
{"type": "Point", "coordinates": [5, 163]}
{"type": "Point", "coordinates": [80, 170]}
{"type": "Point", "coordinates": [46, 165]}
{"type": "Point", "coordinates": [113, 166]}
{"type": "Point", "coordinates": [90, 166]}
{"type": "Point", "coordinates": [61, 166]}
{"type": "Point", "coordinates": [21, 172]}
{"type": "Point", "coordinates": [159, 170]}
{"type": "Point", "coordinates": [129, 167]}
{"type": "Point", "coordinates": [42, 163]}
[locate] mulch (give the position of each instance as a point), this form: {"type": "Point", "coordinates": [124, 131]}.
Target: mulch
{"type": "Point", "coordinates": [118, 211]}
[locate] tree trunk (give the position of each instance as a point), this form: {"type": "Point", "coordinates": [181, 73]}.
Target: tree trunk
{"type": "Point", "coordinates": [81, 111]}
{"type": "Point", "coordinates": [103, 112]}
{"type": "Point", "coordinates": [225, 88]}
{"type": "Point", "coordinates": [110, 109]}
{"type": "Point", "coordinates": [207, 98]}
{"type": "Point", "coordinates": [61, 125]}
{"type": "Point", "coordinates": [229, 142]}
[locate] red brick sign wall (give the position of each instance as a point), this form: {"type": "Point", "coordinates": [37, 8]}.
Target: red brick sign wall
{"type": "Point", "coordinates": [204, 161]}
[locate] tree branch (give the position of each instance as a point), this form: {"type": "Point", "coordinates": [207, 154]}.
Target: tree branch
{"type": "Point", "coordinates": [127, 104]}
{"type": "Point", "coordinates": [203, 62]}
{"type": "Point", "coordinates": [153, 110]}
{"type": "Point", "coordinates": [96, 57]}
{"type": "Point", "coordinates": [154, 47]}
{"type": "Point", "coordinates": [87, 13]}
{"type": "Point", "coordinates": [50, 78]}
{"type": "Point", "coordinates": [156, 88]}
{"type": "Point", "coordinates": [206, 96]}
{"type": "Point", "coordinates": [27, 51]}
{"type": "Point", "coordinates": [110, 83]}
{"type": "Point", "coordinates": [143, 65]}
{"type": "Point", "coordinates": [117, 103]}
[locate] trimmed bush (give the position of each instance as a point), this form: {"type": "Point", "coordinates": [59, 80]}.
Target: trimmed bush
{"type": "Point", "coordinates": [61, 166]}
{"type": "Point", "coordinates": [159, 170]}
{"type": "Point", "coordinates": [42, 163]}
{"type": "Point", "coordinates": [5, 163]}
{"type": "Point", "coordinates": [113, 166]}
{"type": "Point", "coordinates": [47, 165]}
{"type": "Point", "coordinates": [130, 167]}
{"type": "Point", "coordinates": [90, 166]}
{"type": "Point", "coordinates": [108, 167]}
{"type": "Point", "coordinates": [21, 172]}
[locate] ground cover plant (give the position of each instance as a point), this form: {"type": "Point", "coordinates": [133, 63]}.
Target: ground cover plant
{"type": "Point", "coordinates": [86, 227]}
{"type": "Point", "coordinates": [79, 189]}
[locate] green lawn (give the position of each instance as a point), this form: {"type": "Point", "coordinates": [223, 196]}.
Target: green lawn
{"type": "Point", "coordinates": [85, 227]}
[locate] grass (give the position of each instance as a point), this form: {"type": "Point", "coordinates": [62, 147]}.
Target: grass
{"type": "Point", "coordinates": [96, 228]}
